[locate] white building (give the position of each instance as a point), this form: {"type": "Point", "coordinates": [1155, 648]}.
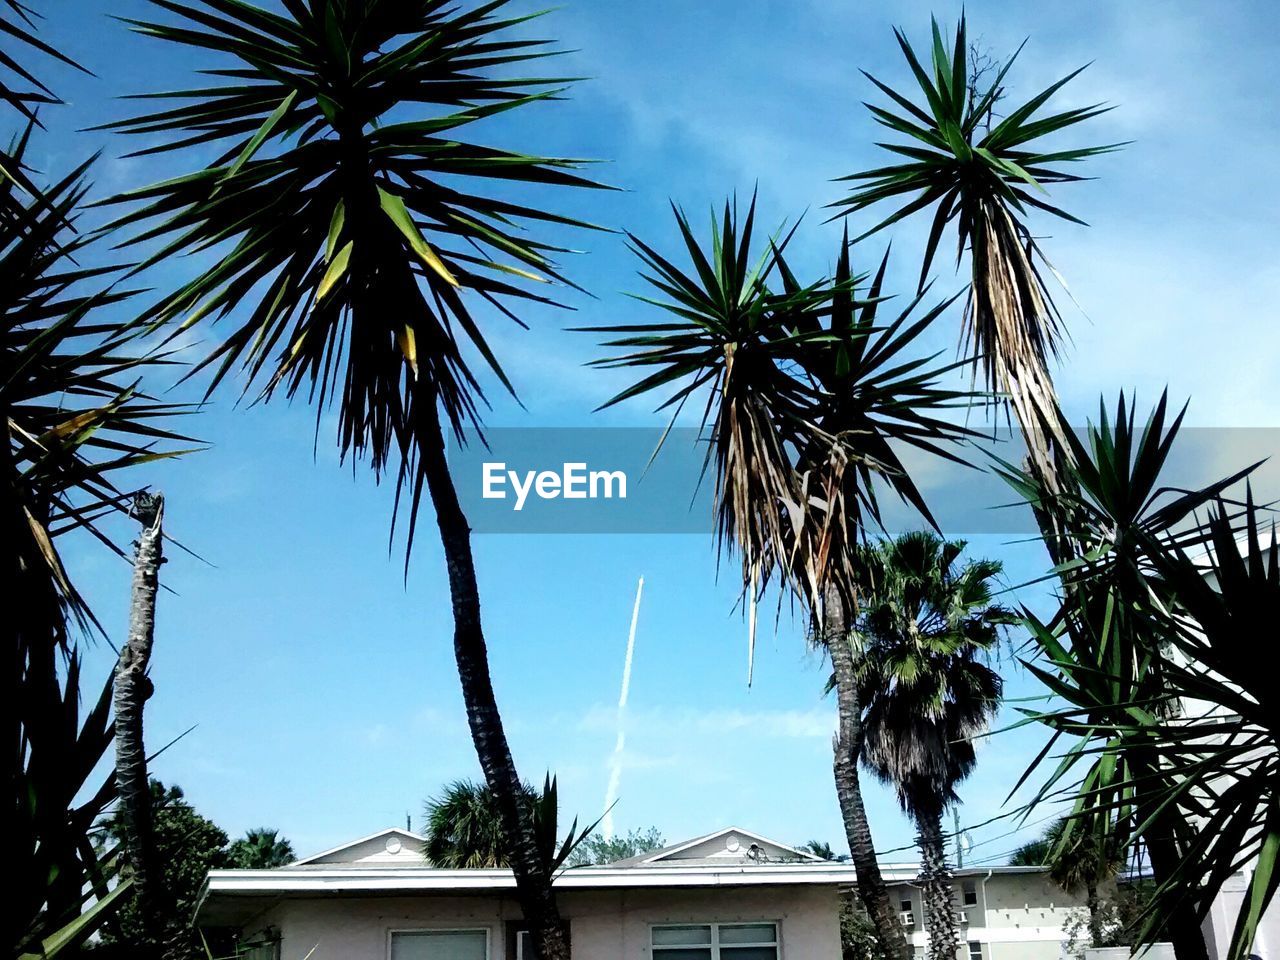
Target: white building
{"type": "Point", "coordinates": [730, 895]}
{"type": "Point", "coordinates": [1004, 912]}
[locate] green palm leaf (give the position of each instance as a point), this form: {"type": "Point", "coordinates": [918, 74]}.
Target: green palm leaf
{"type": "Point", "coordinates": [353, 227]}
{"type": "Point", "coordinates": [976, 177]}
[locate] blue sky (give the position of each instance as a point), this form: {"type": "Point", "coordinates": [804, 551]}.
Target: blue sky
{"type": "Point", "coordinates": [322, 686]}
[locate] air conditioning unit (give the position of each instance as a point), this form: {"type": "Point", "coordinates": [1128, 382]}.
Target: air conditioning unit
{"type": "Point", "coordinates": [908, 918]}
{"type": "Point", "coordinates": [964, 917]}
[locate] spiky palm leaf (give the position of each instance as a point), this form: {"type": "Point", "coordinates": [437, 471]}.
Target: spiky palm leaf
{"type": "Point", "coordinates": [808, 400]}
{"type": "Point", "coordinates": [19, 35]}
{"type": "Point", "coordinates": [74, 415]}
{"type": "Point", "coordinates": [353, 227]}
{"type": "Point", "coordinates": [987, 176]}
{"type": "Point", "coordinates": [728, 339]}
{"type": "Point", "coordinates": [1110, 656]}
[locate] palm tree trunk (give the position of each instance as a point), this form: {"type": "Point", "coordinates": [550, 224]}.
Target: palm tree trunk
{"type": "Point", "coordinates": [132, 690]}
{"type": "Point", "coordinates": [1161, 840]}
{"type": "Point", "coordinates": [939, 894]}
{"type": "Point", "coordinates": [848, 747]}
{"type": "Point", "coordinates": [532, 873]}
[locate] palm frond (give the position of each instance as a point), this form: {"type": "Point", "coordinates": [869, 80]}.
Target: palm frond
{"type": "Point", "coordinates": [353, 227]}
{"type": "Point", "coordinates": [986, 177]}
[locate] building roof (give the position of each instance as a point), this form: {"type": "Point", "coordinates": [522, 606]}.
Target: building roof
{"type": "Point", "coordinates": [383, 848]}
{"type": "Point", "coordinates": [730, 845]}
{"type": "Point", "coordinates": [390, 863]}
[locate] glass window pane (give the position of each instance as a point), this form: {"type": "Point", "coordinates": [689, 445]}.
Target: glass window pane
{"type": "Point", "coordinates": [748, 953]}
{"type": "Point", "coordinates": [440, 945]}
{"type": "Point", "coordinates": [669, 936]}
{"type": "Point", "coordinates": [749, 933]}
{"type": "Point", "coordinates": [682, 953]}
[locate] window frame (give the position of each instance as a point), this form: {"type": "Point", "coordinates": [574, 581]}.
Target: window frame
{"type": "Point", "coordinates": [969, 951]}
{"type": "Point", "coordinates": [715, 945]}
{"type": "Point", "coordinates": [967, 885]}
{"type": "Point", "coordinates": [486, 929]}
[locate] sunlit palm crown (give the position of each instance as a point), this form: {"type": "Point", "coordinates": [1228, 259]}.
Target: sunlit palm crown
{"type": "Point", "coordinates": [925, 629]}
{"type": "Point", "coordinates": [807, 392]}
{"type": "Point", "coordinates": [353, 230]}
{"type": "Point", "coordinates": [981, 165]}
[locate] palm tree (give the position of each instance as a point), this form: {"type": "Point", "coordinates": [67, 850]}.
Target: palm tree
{"type": "Point", "coordinates": [72, 418]}
{"type": "Point", "coordinates": [1077, 860]}
{"type": "Point", "coordinates": [987, 175]}
{"type": "Point", "coordinates": [925, 628]}
{"type": "Point", "coordinates": [1106, 650]}
{"type": "Point", "coordinates": [260, 849]}
{"type": "Point", "coordinates": [820, 849]}
{"type": "Point", "coordinates": [465, 828]}
{"type": "Point", "coordinates": [353, 229]}
{"type": "Point", "coordinates": [811, 396]}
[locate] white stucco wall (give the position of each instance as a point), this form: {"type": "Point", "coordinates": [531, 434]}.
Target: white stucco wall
{"type": "Point", "coordinates": [606, 925]}
{"type": "Point", "coordinates": [1017, 917]}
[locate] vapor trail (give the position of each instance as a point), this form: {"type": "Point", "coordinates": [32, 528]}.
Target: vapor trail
{"type": "Point", "coordinates": [615, 771]}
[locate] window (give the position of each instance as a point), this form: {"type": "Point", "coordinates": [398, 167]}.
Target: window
{"type": "Point", "coordinates": [440, 945]}
{"type": "Point", "coordinates": [905, 904]}
{"type": "Point", "coordinates": [524, 945]}
{"type": "Point", "coordinates": [970, 889]}
{"type": "Point", "coordinates": [716, 941]}
{"type": "Point", "coordinates": [975, 950]}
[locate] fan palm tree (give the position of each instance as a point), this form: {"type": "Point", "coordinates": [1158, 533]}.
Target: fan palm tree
{"type": "Point", "coordinates": [811, 396]}
{"type": "Point", "coordinates": [925, 629]}
{"type": "Point", "coordinates": [354, 229]}
{"type": "Point", "coordinates": [988, 175]}
{"type": "Point", "coordinates": [1077, 860]}
{"type": "Point", "coordinates": [820, 849]}
{"type": "Point", "coordinates": [260, 849]}
{"type": "Point", "coordinates": [465, 828]}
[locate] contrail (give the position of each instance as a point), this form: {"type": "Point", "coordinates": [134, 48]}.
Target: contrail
{"type": "Point", "coordinates": [615, 772]}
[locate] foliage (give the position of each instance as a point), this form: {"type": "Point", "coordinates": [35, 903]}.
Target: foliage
{"type": "Point", "coordinates": [1120, 917]}
{"type": "Point", "coordinates": [925, 626]}
{"type": "Point", "coordinates": [597, 851]}
{"type": "Point", "coordinates": [924, 631]}
{"type": "Point", "coordinates": [1147, 633]}
{"type": "Point", "coordinates": [260, 849]}
{"type": "Point", "coordinates": [987, 176]}
{"type": "Point", "coordinates": [811, 395]}
{"type": "Point", "coordinates": [352, 226]}
{"type": "Point", "coordinates": [343, 182]}
{"type": "Point", "coordinates": [819, 848]}
{"type": "Point", "coordinates": [858, 940]}
{"type": "Point", "coordinates": [188, 846]}
{"type": "Point", "coordinates": [464, 827]}
{"type": "Point", "coordinates": [1078, 860]}
{"type": "Point", "coordinates": [72, 418]}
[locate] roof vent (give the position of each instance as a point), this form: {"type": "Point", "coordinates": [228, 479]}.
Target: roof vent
{"type": "Point", "coordinates": [393, 845]}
